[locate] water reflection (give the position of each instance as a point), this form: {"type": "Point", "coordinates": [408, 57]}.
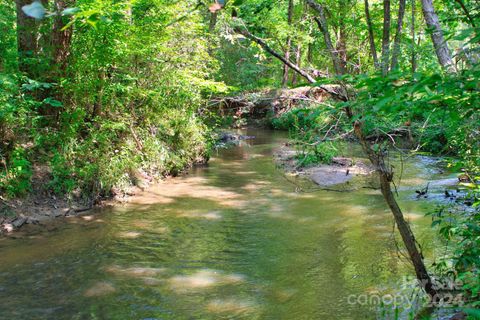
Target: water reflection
{"type": "Point", "coordinates": [230, 240]}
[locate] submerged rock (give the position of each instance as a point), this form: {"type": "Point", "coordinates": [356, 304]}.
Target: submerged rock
{"type": "Point", "coordinates": [20, 221]}
{"type": "Point", "coordinates": [230, 137]}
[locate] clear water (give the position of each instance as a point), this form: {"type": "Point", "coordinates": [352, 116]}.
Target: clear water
{"type": "Point", "coordinates": [231, 240]}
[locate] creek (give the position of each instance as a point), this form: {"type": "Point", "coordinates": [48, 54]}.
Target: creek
{"type": "Point", "coordinates": [233, 239]}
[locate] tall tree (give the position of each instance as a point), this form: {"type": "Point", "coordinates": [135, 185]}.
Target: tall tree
{"type": "Point", "coordinates": [371, 36]}
{"type": "Point", "coordinates": [386, 179]}
{"type": "Point", "coordinates": [341, 45]}
{"type": "Point", "coordinates": [398, 34]}
{"type": "Point", "coordinates": [412, 31]}
{"type": "Point", "coordinates": [288, 44]}
{"type": "Point", "coordinates": [441, 48]}
{"type": "Point", "coordinates": [386, 36]}
{"type": "Point", "coordinates": [323, 26]}
{"type": "Point", "coordinates": [26, 36]}
{"type": "Point", "coordinates": [61, 36]}
{"type": "Point", "coordinates": [298, 62]}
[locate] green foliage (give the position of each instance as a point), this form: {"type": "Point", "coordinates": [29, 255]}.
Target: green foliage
{"type": "Point", "coordinates": [15, 178]}
{"type": "Point", "coordinates": [462, 229]}
{"type": "Point", "coordinates": [317, 153]}
{"type": "Point", "coordinates": [127, 99]}
{"type": "Point", "coordinates": [309, 129]}
{"type": "Point", "coordinates": [440, 110]}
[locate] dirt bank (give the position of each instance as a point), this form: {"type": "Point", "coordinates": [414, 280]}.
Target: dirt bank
{"type": "Point", "coordinates": [44, 208]}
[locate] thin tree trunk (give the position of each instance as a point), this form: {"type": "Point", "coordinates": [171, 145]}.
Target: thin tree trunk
{"type": "Point", "coordinates": [298, 50]}
{"type": "Point", "coordinates": [371, 36]}
{"type": "Point", "coordinates": [288, 45]}
{"type": "Point", "coordinates": [26, 37]}
{"type": "Point", "coordinates": [441, 47]}
{"type": "Point", "coordinates": [213, 21]}
{"type": "Point", "coordinates": [342, 45]}
{"type": "Point", "coordinates": [323, 26]}
{"type": "Point", "coordinates": [467, 14]}
{"type": "Point", "coordinates": [298, 62]}
{"type": "Point", "coordinates": [267, 48]}
{"type": "Point", "coordinates": [386, 36]}
{"type": "Point", "coordinates": [310, 53]}
{"type": "Point", "coordinates": [61, 38]}
{"type": "Point", "coordinates": [386, 178]}
{"type": "Point", "coordinates": [414, 58]}
{"type": "Point", "coordinates": [398, 35]}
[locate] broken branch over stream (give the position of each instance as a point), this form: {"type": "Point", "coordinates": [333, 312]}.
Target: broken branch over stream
{"type": "Point", "coordinates": [243, 31]}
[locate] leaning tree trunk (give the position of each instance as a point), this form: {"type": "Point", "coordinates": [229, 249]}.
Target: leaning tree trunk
{"type": "Point", "coordinates": [398, 35]}
{"type": "Point", "coordinates": [371, 36]}
{"type": "Point", "coordinates": [323, 26]}
{"type": "Point", "coordinates": [441, 47]}
{"type": "Point", "coordinates": [267, 48]}
{"type": "Point", "coordinates": [26, 37]}
{"type": "Point", "coordinates": [243, 31]}
{"type": "Point", "coordinates": [386, 36]}
{"type": "Point", "coordinates": [386, 179]}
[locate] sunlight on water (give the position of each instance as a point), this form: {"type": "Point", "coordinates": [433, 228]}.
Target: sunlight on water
{"type": "Point", "coordinates": [231, 240]}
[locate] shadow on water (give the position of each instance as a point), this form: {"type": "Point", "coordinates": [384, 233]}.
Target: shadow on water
{"type": "Point", "coordinates": [229, 240]}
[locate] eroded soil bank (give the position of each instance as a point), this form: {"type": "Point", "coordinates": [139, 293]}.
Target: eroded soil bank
{"type": "Point", "coordinates": [44, 209]}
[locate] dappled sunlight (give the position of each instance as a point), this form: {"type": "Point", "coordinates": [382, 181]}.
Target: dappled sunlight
{"type": "Point", "coordinates": [100, 289]}
{"type": "Point", "coordinates": [416, 182]}
{"type": "Point", "coordinates": [282, 193]}
{"type": "Point", "coordinates": [246, 173]}
{"type": "Point", "coordinates": [255, 155]}
{"type": "Point", "coordinates": [410, 216]}
{"type": "Point", "coordinates": [214, 215]}
{"type": "Point", "coordinates": [353, 210]}
{"type": "Point", "coordinates": [136, 272]}
{"type": "Point", "coordinates": [232, 306]}
{"type": "Point", "coordinates": [142, 224]}
{"type": "Point", "coordinates": [203, 279]}
{"type": "Point", "coordinates": [169, 190]}
{"type": "Point", "coordinates": [148, 281]}
{"type": "Point", "coordinates": [372, 192]}
{"type": "Point", "coordinates": [129, 234]}
{"type": "Point", "coordinates": [255, 185]}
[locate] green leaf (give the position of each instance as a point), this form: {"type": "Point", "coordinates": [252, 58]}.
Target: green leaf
{"type": "Point", "coordinates": [53, 102]}
{"type": "Point", "coordinates": [70, 11]}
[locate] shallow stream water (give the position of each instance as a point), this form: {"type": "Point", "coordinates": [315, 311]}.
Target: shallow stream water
{"type": "Point", "coordinates": [233, 239]}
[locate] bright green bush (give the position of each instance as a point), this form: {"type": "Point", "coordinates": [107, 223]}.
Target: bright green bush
{"type": "Point", "coordinates": [15, 178]}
